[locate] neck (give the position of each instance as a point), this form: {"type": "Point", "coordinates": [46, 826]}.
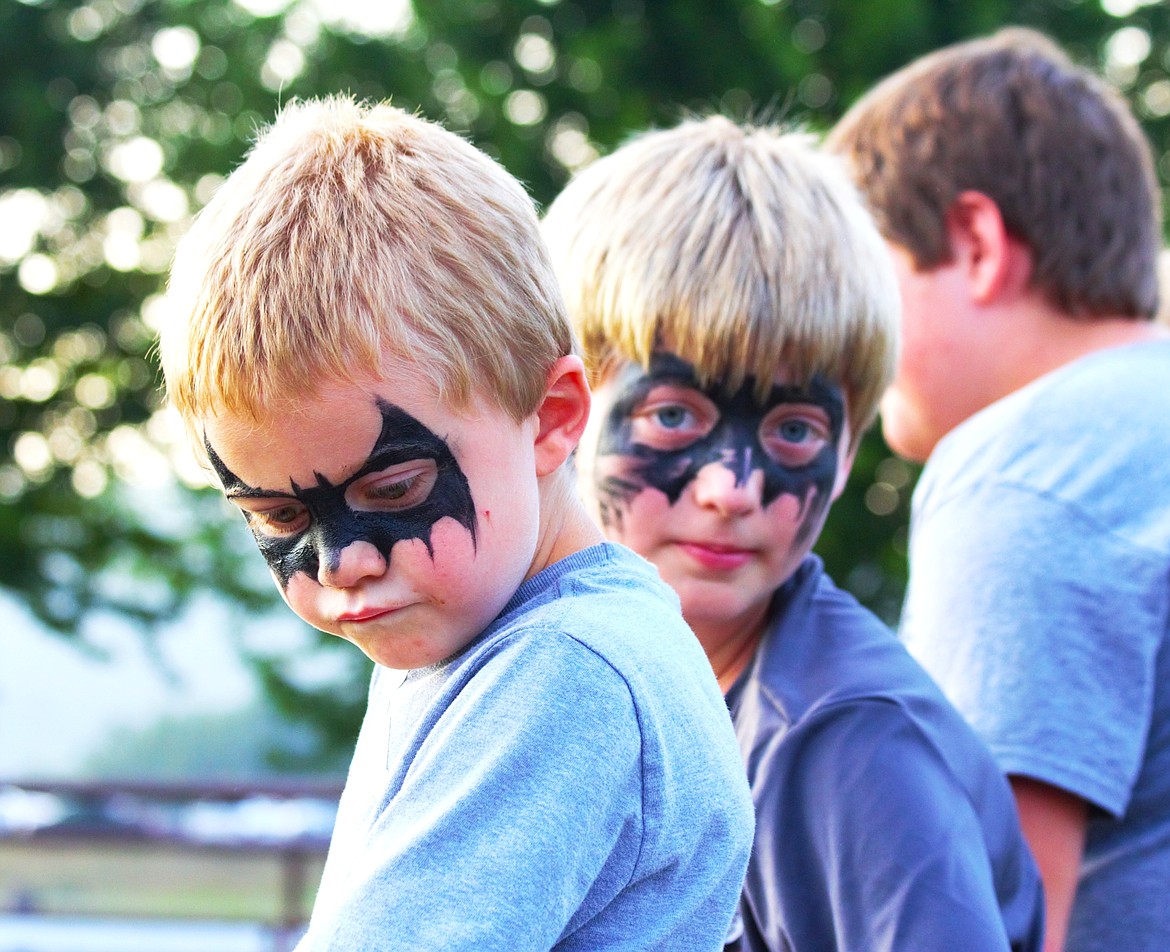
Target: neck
{"type": "Point", "coordinates": [1044, 339]}
{"type": "Point", "coordinates": [729, 646]}
{"type": "Point", "coordinates": [565, 526]}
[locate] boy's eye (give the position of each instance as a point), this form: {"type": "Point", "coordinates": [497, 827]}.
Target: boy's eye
{"type": "Point", "coordinates": [795, 431]}
{"type": "Point", "coordinates": [284, 520]}
{"type": "Point", "coordinates": [401, 487]}
{"type": "Point", "coordinates": [795, 436]}
{"type": "Point", "coordinates": [671, 418]}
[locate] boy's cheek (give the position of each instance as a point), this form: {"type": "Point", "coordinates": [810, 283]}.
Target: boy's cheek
{"type": "Point", "coordinates": [611, 488]}
{"type": "Point", "coordinates": [846, 454]}
{"type": "Point", "coordinates": [298, 595]}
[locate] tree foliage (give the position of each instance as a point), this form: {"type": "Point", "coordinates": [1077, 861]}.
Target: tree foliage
{"type": "Point", "coordinates": [119, 118]}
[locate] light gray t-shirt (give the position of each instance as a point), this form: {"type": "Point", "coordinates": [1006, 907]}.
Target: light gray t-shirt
{"type": "Point", "coordinates": [1039, 599]}
{"type": "Point", "coordinates": [570, 781]}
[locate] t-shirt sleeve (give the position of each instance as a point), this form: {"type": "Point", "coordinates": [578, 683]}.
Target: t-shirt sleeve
{"type": "Point", "coordinates": [1042, 626]}
{"type": "Point", "coordinates": [527, 786]}
{"type": "Point", "coordinates": [871, 845]}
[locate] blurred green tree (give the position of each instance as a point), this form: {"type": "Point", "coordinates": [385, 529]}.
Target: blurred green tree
{"type": "Point", "coordinates": [119, 117]}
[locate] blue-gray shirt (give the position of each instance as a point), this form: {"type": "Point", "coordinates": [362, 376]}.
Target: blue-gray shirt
{"type": "Point", "coordinates": [570, 781]}
{"type": "Point", "coordinates": [882, 822]}
{"type": "Point", "coordinates": [1040, 599]}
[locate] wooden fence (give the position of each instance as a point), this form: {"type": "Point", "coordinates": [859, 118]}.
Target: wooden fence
{"type": "Point", "coordinates": [142, 856]}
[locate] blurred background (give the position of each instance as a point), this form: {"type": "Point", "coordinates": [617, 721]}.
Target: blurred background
{"type": "Point", "coordinates": [147, 667]}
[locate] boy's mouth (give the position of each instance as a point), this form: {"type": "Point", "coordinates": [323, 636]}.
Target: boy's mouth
{"type": "Point", "coordinates": [719, 557]}
{"type": "Point", "coordinates": [366, 614]}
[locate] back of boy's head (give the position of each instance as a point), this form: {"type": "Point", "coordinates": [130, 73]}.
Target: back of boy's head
{"type": "Point", "coordinates": [1051, 144]}
{"type": "Point", "coordinates": [740, 248]}
{"type": "Point", "coordinates": [352, 232]}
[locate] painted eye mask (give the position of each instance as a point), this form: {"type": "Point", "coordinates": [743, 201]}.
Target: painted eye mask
{"type": "Point", "coordinates": [733, 440]}
{"type": "Point", "coordinates": [333, 524]}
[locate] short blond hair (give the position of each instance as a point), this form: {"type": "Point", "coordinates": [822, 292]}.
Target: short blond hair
{"type": "Point", "coordinates": [351, 232]}
{"type": "Point", "coordinates": [740, 248]}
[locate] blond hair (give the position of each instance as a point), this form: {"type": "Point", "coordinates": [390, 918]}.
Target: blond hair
{"type": "Point", "coordinates": [740, 248]}
{"type": "Point", "coordinates": [353, 231]}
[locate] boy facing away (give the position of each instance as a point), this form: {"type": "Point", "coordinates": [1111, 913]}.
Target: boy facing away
{"type": "Point", "coordinates": [1017, 192]}
{"type": "Point", "coordinates": [738, 313]}
{"type": "Point", "coordinates": [368, 343]}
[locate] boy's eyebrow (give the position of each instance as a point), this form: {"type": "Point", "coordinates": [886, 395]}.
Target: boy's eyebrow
{"type": "Point", "coordinates": [378, 459]}
{"type": "Point", "coordinates": [667, 365]}
{"type": "Point", "coordinates": [248, 492]}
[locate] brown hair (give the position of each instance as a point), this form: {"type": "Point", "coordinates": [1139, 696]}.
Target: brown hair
{"type": "Point", "coordinates": [1054, 146]}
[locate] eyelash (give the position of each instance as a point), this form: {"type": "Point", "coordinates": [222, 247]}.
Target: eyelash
{"type": "Point", "coordinates": [651, 424]}
{"type": "Point", "coordinates": [789, 450]}
{"type": "Point", "coordinates": [273, 526]}
{"type": "Point", "coordinates": [398, 489]}
{"type": "Point", "coordinates": [402, 491]}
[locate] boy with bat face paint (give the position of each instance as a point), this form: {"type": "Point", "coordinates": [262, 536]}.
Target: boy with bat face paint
{"type": "Point", "coordinates": [368, 345]}
{"type": "Point", "coordinates": [738, 313]}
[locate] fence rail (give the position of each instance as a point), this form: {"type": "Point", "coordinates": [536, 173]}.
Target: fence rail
{"type": "Point", "coordinates": [148, 865]}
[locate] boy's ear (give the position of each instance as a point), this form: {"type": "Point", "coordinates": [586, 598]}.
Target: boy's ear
{"type": "Point", "coordinates": [562, 414]}
{"type": "Point", "coordinates": [993, 262]}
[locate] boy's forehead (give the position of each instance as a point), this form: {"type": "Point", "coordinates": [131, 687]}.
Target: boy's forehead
{"type": "Point", "coordinates": [670, 365]}
{"type": "Point", "coordinates": [331, 430]}
{"type": "Point", "coordinates": [277, 449]}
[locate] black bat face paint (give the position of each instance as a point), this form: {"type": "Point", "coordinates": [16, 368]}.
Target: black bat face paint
{"type": "Point", "coordinates": [332, 524]}
{"type": "Point", "coordinates": [734, 438]}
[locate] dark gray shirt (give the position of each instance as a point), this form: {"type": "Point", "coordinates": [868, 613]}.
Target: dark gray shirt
{"type": "Point", "coordinates": [882, 822]}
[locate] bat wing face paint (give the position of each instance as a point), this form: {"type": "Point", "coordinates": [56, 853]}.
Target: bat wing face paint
{"type": "Point", "coordinates": [333, 523]}
{"type": "Point", "coordinates": [382, 459]}
{"type": "Point", "coordinates": [739, 433]}
{"type": "Point", "coordinates": [723, 493]}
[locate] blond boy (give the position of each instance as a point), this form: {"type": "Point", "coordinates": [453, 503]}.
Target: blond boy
{"type": "Point", "coordinates": [739, 315]}
{"type": "Point", "coordinates": [368, 344]}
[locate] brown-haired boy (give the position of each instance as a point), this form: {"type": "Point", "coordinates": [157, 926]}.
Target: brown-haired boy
{"type": "Point", "coordinates": [1017, 193]}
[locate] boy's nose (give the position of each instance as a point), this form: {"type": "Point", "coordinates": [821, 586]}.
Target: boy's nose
{"type": "Point", "coordinates": [720, 488]}
{"type": "Point", "coordinates": [346, 567]}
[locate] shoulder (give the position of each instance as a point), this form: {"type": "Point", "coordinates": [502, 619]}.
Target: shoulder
{"type": "Point", "coordinates": [823, 647]}
{"type": "Point", "coordinates": [597, 589]}
{"type": "Point", "coordinates": [542, 658]}
{"type": "Point", "coordinates": [631, 690]}
{"type": "Point", "coordinates": [831, 683]}
{"type": "Point", "coordinates": [610, 650]}
{"type": "Point", "coordinates": [873, 770]}
{"type": "Point", "coordinates": [864, 819]}
{"type": "Point", "coordinates": [1084, 450]}
{"type": "Point", "coordinates": [1114, 398]}
{"type": "Point", "coordinates": [620, 609]}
